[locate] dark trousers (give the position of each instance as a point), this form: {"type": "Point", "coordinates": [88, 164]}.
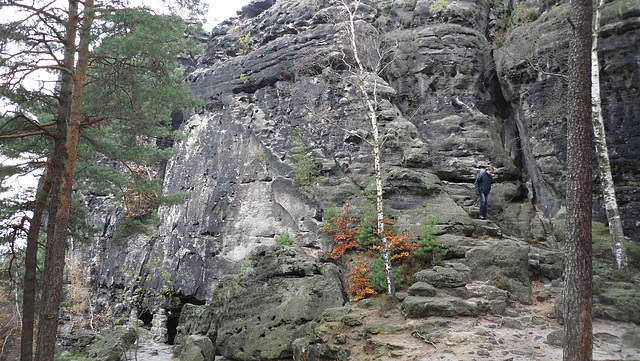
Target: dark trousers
{"type": "Point", "coordinates": [484, 204]}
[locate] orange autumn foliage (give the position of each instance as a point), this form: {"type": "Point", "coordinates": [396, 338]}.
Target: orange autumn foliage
{"type": "Point", "coordinates": [342, 233]}
{"type": "Point", "coordinates": [400, 246]}
{"type": "Point", "coordinates": [78, 292]}
{"type": "Point", "coordinates": [345, 234]}
{"type": "Point", "coordinates": [359, 280]}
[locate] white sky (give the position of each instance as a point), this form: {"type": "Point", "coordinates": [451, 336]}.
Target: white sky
{"type": "Point", "coordinates": [220, 10]}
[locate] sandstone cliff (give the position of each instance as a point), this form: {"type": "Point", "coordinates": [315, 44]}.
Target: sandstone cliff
{"type": "Point", "coordinates": [460, 94]}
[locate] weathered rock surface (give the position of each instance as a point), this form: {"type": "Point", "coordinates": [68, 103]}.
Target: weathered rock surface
{"type": "Point", "coordinates": [536, 126]}
{"type": "Point", "coordinates": [197, 348]}
{"type": "Point", "coordinates": [258, 313]}
{"type": "Point", "coordinates": [113, 346]}
{"type": "Point", "coordinates": [455, 99]}
{"type": "Point", "coordinates": [526, 333]}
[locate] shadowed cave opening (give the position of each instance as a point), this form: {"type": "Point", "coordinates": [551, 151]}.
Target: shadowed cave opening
{"type": "Point", "coordinates": [146, 317]}
{"type": "Point", "coordinates": [172, 324]}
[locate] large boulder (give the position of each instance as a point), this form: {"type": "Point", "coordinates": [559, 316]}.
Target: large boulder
{"type": "Point", "coordinates": [194, 320]}
{"type": "Point", "coordinates": [258, 313]}
{"type": "Point", "coordinates": [197, 348]}
{"type": "Point", "coordinates": [506, 264]}
{"type": "Point", "coordinates": [113, 345]}
{"type": "Point", "coordinates": [447, 306]}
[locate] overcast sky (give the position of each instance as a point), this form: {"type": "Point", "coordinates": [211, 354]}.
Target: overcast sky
{"type": "Point", "coordinates": [220, 10]}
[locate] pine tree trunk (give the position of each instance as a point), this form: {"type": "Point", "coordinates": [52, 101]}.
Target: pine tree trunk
{"type": "Point", "coordinates": [48, 323]}
{"type": "Point", "coordinates": [64, 161]}
{"type": "Point", "coordinates": [618, 247]}
{"type": "Point", "coordinates": [577, 307]}
{"type": "Point", "coordinates": [30, 270]}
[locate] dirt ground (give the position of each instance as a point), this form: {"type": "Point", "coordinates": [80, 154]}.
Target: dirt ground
{"type": "Point", "coordinates": [523, 335]}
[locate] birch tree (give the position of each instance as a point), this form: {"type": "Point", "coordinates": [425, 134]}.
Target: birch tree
{"type": "Point", "coordinates": [577, 292]}
{"type": "Point", "coordinates": [361, 60]}
{"type": "Point", "coordinates": [618, 247]}
{"type": "Point", "coordinates": [365, 79]}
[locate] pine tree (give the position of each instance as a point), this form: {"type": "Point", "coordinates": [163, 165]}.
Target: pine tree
{"type": "Point", "coordinates": [118, 82]}
{"type": "Point", "coordinates": [577, 307]}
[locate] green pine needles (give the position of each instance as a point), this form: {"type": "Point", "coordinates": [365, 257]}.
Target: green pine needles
{"type": "Point", "coordinates": [284, 239]}
{"type": "Point", "coordinates": [304, 160]}
{"type": "Point", "coordinates": [428, 245]}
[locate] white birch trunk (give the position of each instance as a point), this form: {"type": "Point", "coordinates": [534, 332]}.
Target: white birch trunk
{"type": "Point", "coordinates": [371, 100]}
{"type": "Point", "coordinates": [618, 247]}
{"type": "Point", "coordinates": [386, 253]}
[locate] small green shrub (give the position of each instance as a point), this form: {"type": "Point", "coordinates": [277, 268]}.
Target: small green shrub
{"type": "Point", "coordinates": [520, 15]}
{"type": "Point", "coordinates": [367, 230]}
{"type": "Point", "coordinates": [284, 239]}
{"type": "Point", "coordinates": [428, 245]}
{"type": "Point", "coordinates": [379, 278]}
{"type": "Point", "coordinates": [246, 43]}
{"type": "Point", "coordinates": [128, 227]}
{"type": "Point", "coordinates": [330, 216]}
{"type": "Point", "coordinates": [439, 7]}
{"type": "Point", "coordinates": [304, 161]}
{"type": "Point", "coordinates": [510, 18]}
{"type": "Point", "coordinates": [501, 282]}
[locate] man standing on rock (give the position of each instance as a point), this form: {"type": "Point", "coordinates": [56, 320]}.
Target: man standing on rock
{"type": "Point", "coordinates": [483, 187]}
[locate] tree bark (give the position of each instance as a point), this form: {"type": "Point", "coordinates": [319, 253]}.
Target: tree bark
{"type": "Point", "coordinates": [577, 307]}
{"type": "Point", "coordinates": [618, 247]}
{"type": "Point", "coordinates": [64, 160]}
{"type": "Point", "coordinates": [30, 270]}
{"type": "Point", "coordinates": [386, 253]}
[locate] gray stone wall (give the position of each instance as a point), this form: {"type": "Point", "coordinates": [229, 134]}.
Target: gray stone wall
{"type": "Point", "coordinates": [457, 97]}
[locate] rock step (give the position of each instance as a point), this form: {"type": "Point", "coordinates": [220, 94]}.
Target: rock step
{"type": "Point", "coordinates": [486, 228]}
{"type": "Point", "coordinates": [449, 292]}
{"type": "Point", "coordinates": [397, 346]}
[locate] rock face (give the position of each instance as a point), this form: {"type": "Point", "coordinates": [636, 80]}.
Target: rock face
{"type": "Point", "coordinates": [457, 96]}
{"type": "Point", "coordinates": [538, 110]}
{"type": "Point", "coordinates": [258, 313]}
{"type": "Point", "coordinates": [484, 280]}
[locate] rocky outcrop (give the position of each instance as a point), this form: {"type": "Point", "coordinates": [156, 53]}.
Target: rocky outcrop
{"type": "Point", "coordinates": [197, 348]}
{"type": "Point", "coordinates": [258, 313]}
{"type": "Point", "coordinates": [456, 98]}
{"type": "Point", "coordinates": [113, 346]}
{"type": "Point", "coordinates": [487, 278]}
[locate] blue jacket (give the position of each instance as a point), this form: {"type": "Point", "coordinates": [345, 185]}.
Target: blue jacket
{"type": "Point", "coordinates": [483, 182]}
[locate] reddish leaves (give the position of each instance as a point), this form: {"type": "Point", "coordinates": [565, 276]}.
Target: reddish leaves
{"type": "Point", "coordinates": [342, 233]}
{"type": "Point", "coordinates": [359, 280]}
